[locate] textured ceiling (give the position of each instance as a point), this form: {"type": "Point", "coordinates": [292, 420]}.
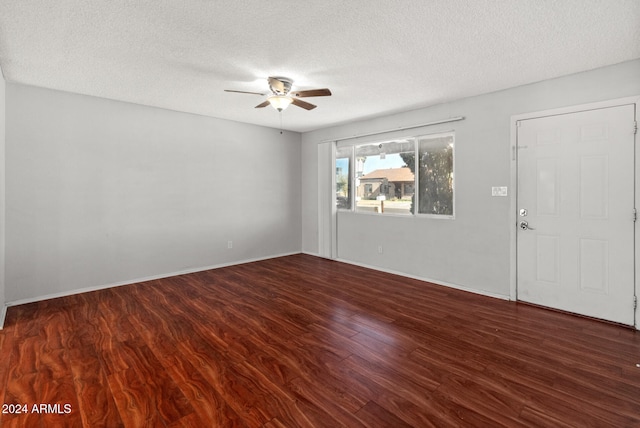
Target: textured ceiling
{"type": "Point", "coordinates": [377, 57]}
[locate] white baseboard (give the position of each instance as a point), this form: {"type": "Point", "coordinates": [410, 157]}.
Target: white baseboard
{"type": "Point", "coordinates": [308, 253]}
{"type": "Point", "coordinates": [433, 281]}
{"type": "Point", "coordinates": [137, 280]}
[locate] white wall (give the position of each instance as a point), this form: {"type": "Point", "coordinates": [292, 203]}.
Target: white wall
{"type": "Point", "coordinates": [472, 251]}
{"type": "Point", "coordinates": [100, 192]}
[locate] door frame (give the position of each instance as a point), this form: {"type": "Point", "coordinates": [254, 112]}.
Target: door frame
{"type": "Point", "coordinates": [513, 216]}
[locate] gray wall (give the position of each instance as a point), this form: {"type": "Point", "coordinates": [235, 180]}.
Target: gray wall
{"type": "Point", "coordinates": [100, 192]}
{"type": "Point", "coordinates": [472, 251]}
{"type": "Point", "coordinates": [2, 203]}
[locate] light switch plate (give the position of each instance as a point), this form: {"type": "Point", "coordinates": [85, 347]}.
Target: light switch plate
{"type": "Point", "coordinates": [499, 191]}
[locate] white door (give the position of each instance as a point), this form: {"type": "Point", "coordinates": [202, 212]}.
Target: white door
{"type": "Point", "coordinates": [575, 249]}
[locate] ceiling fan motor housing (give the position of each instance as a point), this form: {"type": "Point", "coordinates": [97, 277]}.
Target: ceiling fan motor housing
{"type": "Point", "coordinates": [280, 85]}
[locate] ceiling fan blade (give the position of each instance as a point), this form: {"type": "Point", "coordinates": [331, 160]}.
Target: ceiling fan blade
{"type": "Point", "coordinates": [276, 85]}
{"type": "Point", "coordinates": [263, 104]}
{"type": "Point", "coordinates": [305, 105]}
{"type": "Point", "coordinates": [244, 92]}
{"type": "Point", "coordinates": [313, 93]}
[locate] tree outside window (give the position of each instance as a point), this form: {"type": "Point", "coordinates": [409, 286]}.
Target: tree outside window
{"type": "Point", "coordinates": [435, 174]}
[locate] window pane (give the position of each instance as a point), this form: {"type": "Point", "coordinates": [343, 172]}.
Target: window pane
{"type": "Point", "coordinates": [384, 182]}
{"type": "Point", "coordinates": [435, 175]}
{"type": "Point", "coordinates": [343, 178]}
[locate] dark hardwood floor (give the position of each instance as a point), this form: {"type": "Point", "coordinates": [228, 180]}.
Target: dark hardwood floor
{"type": "Point", "coordinates": [300, 341]}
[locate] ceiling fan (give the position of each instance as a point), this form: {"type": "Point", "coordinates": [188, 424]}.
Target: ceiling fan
{"type": "Point", "coordinates": [282, 95]}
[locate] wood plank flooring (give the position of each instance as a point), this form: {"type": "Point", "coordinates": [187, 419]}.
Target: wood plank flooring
{"type": "Point", "coordinates": [300, 341]}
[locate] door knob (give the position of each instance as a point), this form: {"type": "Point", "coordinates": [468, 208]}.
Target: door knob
{"type": "Point", "coordinates": [525, 226]}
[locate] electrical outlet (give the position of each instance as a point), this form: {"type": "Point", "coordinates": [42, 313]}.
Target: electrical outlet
{"type": "Point", "coordinates": [229, 244]}
{"type": "Point", "coordinates": [379, 249]}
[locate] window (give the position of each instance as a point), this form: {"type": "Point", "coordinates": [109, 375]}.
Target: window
{"type": "Point", "coordinates": [435, 174]}
{"type": "Point", "coordinates": [384, 182]}
{"type": "Point", "coordinates": [385, 179]}
{"type": "Point", "coordinates": [343, 177]}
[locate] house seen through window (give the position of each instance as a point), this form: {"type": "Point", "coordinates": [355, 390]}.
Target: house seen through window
{"type": "Point", "coordinates": [384, 183]}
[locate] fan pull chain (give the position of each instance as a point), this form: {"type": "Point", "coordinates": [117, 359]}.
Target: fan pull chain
{"type": "Point", "coordinates": [280, 122]}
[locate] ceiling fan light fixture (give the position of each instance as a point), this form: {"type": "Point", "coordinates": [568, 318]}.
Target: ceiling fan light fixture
{"type": "Point", "coordinates": [280, 102]}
